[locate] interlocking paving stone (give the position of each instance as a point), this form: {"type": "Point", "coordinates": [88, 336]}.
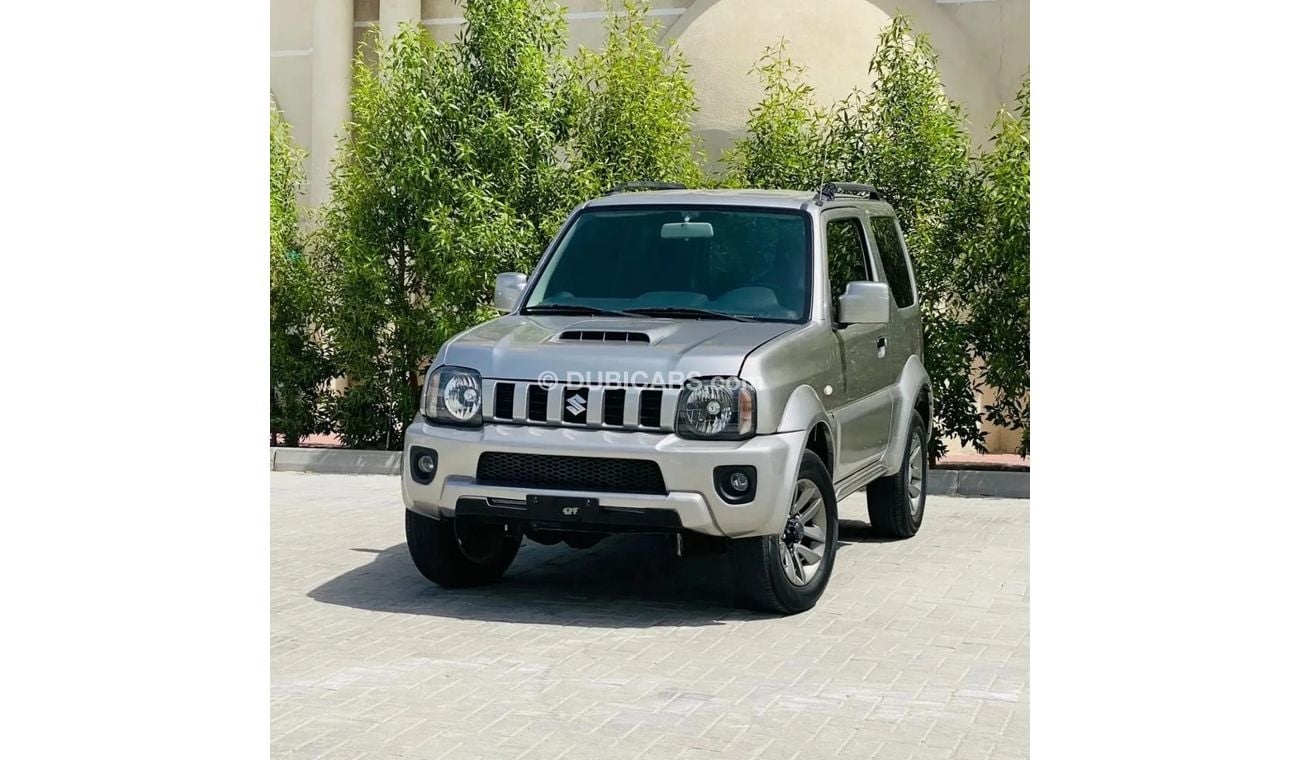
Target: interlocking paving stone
{"type": "Point", "coordinates": [918, 649]}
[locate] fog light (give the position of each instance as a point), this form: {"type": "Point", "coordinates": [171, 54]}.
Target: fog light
{"type": "Point", "coordinates": [424, 463]}
{"type": "Point", "coordinates": [736, 484]}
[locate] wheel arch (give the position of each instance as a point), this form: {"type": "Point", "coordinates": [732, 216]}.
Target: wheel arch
{"type": "Point", "coordinates": [819, 442]}
{"type": "Point", "coordinates": [913, 389]}
{"type": "Point", "coordinates": [804, 411]}
{"type": "Point", "coordinates": [925, 405]}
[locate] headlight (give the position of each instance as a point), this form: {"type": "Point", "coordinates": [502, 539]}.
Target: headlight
{"type": "Point", "coordinates": [453, 395]}
{"type": "Point", "coordinates": [716, 407]}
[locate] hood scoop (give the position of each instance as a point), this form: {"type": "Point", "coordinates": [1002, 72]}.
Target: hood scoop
{"type": "Point", "coordinates": [604, 336]}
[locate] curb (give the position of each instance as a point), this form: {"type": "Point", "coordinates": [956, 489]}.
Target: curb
{"type": "Point", "coordinates": [336, 461]}
{"type": "Point", "coordinates": [1000, 484]}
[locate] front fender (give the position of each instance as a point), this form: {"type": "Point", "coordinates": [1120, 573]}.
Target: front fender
{"type": "Point", "coordinates": [802, 411]}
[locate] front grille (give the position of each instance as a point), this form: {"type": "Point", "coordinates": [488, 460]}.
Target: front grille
{"type": "Point", "coordinates": [651, 404]}
{"type": "Point", "coordinates": [570, 473]}
{"type": "Point", "coordinates": [627, 407]}
{"type": "Point", "coordinates": [614, 399]}
{"type": "Point", "coordinates": [536, 403]}
{"type": "Point", "coordinates": [504, 408]}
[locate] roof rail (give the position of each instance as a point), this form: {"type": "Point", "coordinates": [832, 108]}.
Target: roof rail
{"type": "Point", "coordinates": [828, 191]}
{"type": "Point", "coordinates": [644, 185]}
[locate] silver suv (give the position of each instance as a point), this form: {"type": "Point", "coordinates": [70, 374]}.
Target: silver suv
{"type": "Point", "coordinates": [720, 365]}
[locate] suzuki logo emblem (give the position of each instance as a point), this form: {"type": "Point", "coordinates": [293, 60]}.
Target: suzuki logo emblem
{"type": "Point", "coordinates": [576, 405]}
{"type": "Point", "coordinates": [570, 511]}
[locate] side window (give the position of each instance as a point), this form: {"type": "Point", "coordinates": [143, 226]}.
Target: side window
{"type": "Point", "coordinates": [845, 253]}
{"type": "Point", "coordinates": [893, 260]}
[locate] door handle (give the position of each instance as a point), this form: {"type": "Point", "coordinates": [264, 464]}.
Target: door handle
{"type": "Point", "coordinates": [882, 344]}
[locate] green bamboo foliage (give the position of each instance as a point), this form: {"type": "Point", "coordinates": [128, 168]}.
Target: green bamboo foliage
{"type": "Point", "coordinates": [631, 105]}
{"type": "Point", "coordinates": [995, 281]}
{"type": "Point", "coordinates": [448, 175]}
{"type": "Point", "coordinates": [300, 367]}
{"type": "Point", "coordinates": [785, 142]}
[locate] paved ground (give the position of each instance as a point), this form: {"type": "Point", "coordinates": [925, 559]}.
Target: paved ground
{"type": "Point", "coordinates": [919, 648]}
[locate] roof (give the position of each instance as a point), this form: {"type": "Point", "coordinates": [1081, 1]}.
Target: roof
{"type": "Point", "coordinates": [786, 199]}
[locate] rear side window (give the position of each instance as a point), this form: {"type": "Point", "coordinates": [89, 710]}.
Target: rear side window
{"type": "Point", "coordinates": [846, 253]}
{"type": "Point", "coordinates": [894, 260]}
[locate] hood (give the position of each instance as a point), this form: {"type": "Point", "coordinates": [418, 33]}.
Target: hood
{"type": "Point", "coordinates": [519, 347]}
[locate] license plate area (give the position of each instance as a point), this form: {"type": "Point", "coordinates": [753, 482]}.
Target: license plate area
{"type": "Point", "coordinates": [562, 508]}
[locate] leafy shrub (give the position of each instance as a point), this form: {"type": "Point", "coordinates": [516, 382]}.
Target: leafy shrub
{"type": "Point", "coordinates": [449, 173]}
{"type": "Point", "coordinates": [373, 236]}
{"type": "Point", "coordinates": [509, 80]}
{"type": "Point", "coordinates": [784, 145]}
{"type": "Point", "coordinates": [631, 106]}
{"type": "Point", "coordinates": [300, 367]}
{"type": "Point", "coordinates": [995, 279]}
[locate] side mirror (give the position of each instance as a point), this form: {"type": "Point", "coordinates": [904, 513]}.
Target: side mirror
{"type": "Point", "coordinates": [509, 287]}
{"type": "Point", "coordinates": [864, 303]}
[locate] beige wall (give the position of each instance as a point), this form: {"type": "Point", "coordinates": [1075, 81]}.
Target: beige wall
{"type": "Point", "coordinates": [291, 64]}
{"type": "Point", "coordinates": [983, 48]}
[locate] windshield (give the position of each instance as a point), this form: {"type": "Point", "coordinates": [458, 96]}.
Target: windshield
{"type": "Point", "coordinates": [689, 261]}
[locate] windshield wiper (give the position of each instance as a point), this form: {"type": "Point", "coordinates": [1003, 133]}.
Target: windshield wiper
{"type": "Point", "coordinates": [574, 308]}
{"type": "Point", "coordinates": [686, 311]}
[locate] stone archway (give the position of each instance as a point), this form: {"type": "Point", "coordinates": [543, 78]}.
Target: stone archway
{"type": "Point", "coordinates": [834, 40]}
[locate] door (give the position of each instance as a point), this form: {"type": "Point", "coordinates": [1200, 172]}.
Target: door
{"type": "Point", "coordinates": [904, 334]}
{"type": "Point", "coordinates": [865, 406]}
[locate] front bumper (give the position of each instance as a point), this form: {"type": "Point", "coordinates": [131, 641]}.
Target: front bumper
{"type": "Point", "coordinates": [687, 468]}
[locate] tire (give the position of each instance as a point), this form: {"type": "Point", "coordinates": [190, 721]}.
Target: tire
{"type": "Point", "coordinates": [762, 564]}
{"type": "Point", "coordinates": [894, 512]}
{"type": "Point", "coordinates": [457, 553]}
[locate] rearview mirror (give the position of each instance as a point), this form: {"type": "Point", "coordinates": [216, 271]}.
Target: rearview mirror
{"type": "Point", "coordinates": [864, 303]}
{"type": "Point", "coordinates": [510, 286]}
{"type": "Point", "coordinates": [686, 230]}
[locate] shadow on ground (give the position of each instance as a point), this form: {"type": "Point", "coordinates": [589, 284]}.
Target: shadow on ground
{"type": "Point", "coordinates": [623, 582]}
{"type": "Point", "coordinates": [858, 532]}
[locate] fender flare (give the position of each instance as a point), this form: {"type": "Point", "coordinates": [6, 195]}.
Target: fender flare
{"type": "Point", "coordinates": [805, 412]}
{"type": "Point", "coordinates": [911, 383]}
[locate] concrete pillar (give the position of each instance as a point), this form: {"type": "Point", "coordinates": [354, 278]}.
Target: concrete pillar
{"type": "Point", "coordinates": [392, 12]}
{"type": "Point", "coordinates": [331, 79]}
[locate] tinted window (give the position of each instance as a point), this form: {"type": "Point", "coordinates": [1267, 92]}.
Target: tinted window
{"type": "Point", "coordinates": [748, 263]}
{"type": "Point", "coordinates": [845, 254]}
{"type": "Point", "coordinates": [893, 259]}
